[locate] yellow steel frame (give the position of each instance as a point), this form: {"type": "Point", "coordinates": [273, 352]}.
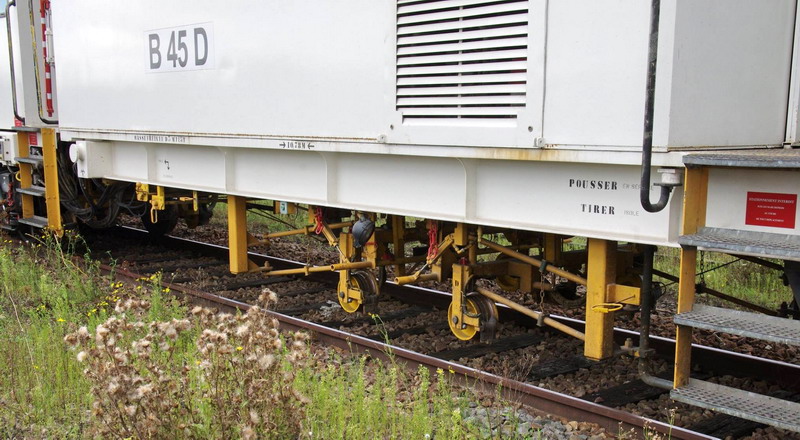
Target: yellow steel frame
{"type": "Point", "coordinates": [51, 194]}
{"type": "Point", "coordinates": [694, 217]}
{"type": "Point", "coordinates": [464, 326]}
{"type": "Point", "coordinates": [159, 199]}
{"type": "Point", "coordinates": [350, 295]}
{"type": "Point", "coordinates": [285, 208]}
{"type": "Point", "coordinates": [25, 174]}
{"type": "Point", "coordinates": [621, 294]}
{"type": "Point", "coordinates": [601, 273]}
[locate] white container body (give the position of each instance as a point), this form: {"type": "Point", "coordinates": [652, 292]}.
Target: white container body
{"type": "Point", "coordinates": [524, 114]}
{"type": "Point", "coordinates": [560, 74]}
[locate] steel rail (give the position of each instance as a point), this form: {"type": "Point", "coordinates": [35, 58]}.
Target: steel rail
{"type": "Point", "coordinates": [720, 361]}
{"type": "Point", "coordinates": [539, 399]}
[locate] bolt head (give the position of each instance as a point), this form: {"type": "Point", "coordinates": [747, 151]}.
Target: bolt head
{"type": "Point", "coordinates": [455, 319]}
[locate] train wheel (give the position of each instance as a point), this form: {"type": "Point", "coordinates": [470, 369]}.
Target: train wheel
{"type": "Point", "coordinates": [474, 304]}
{"type": "Point", "coordinates": [489, 316]}
{"type": "Point", "coordinates": [365, 284]}
{"type": "Point", "coordinates": [568, 295]}
{"type": "Point", "coordinates": [167, 220]}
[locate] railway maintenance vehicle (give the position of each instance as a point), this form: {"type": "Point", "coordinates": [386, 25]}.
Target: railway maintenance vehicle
{"type": "Point", "coordinates": [544, 146]}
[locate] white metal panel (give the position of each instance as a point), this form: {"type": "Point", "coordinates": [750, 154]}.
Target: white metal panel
{"type": "Point", "coordinates": [278, 174]}
{"type": "Point", "coordinates": [355, 70]}
{"type": "Point", "coordinates": [581, 198]}
{"type": "Point", "coordinates": [31, 80]}
{"type": "Point", "coordinates": [292, 69]}
{"type": "Point", "coordinates": [568, 197]}
{"type": "Point", "coordinates": [6, 113]}
{"type": "Point", "coordinates": [793, 111]}
{"type": "Point", "coordinates": [131, 161]}
{"type": "Point", "coordinates": [585, 155]}
{"type": "Point", "coordinates": [6, 106]}
{"type": "Point", "coordinates": [8, 147]}
{"type": "Point", "coordinates": [419, 186]}
{"type": "Point", "coordinates": [596, 68]}
{"type": "Point", "coordinates": [728, 198]}
{"type": "Point", "coordinates": [179, 165]}
{"type": "Point", "coordinates": [730, 78]}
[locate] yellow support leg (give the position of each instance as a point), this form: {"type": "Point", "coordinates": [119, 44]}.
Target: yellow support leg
{"type": "Point", "coordinates": [602, 272]}
{"type": "Point", "coordinates": [237, 235]}
{"type": "Point", "coordinates": [51, 196]}
{"type": "Point", "coordinates": [694, 217]}
{"type": "Point", "coordinates": [399, 242]}
{"type": "Point", "coordinates": [683, 336]}
{"type": "Point", "coordinates": [552, 248]}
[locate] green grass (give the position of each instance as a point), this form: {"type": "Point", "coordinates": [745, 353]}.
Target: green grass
{"type": "Point", "coordinates": [263, 221]}
{"type": "Point", "coordinates": [44, 392]}
{"type": "Point", "coordinates": [354, 400]}
{"type": "Point", "coordinates": [748, 281]}
{"type": "Point", "coordinates": [41, 384]}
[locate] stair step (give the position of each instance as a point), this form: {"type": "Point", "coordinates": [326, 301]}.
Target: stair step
{"type": "Point", "coordinates": [35, 221]}
{"type": "Point", "coordinates": [736, 241]}
{"type": "Point", "coordinates": [738, 403]}
{"type": "Point", "coordinates": [766, 158]}
{"type": "Point", "coordinates": [30, 160]}
{"type": "Point", "coordinates": [35, 190]}
{"type": "Point", "coordinates": [752, 325]}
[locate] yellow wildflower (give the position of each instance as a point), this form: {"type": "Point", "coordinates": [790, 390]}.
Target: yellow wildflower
{"type": "Point", "coordinates": [60, 320]}
{"type": "Point", "coordinates": [239, 348]}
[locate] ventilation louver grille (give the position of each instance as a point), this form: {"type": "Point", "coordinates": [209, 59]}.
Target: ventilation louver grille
{"type": "Point", "coordinates": [461, 62]}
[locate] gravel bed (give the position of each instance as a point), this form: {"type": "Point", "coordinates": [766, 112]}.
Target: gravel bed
{"type": "Point", "coordinates": [517, 363]}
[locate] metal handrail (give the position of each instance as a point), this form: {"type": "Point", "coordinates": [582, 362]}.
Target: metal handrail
{"type": "Point", "coordinates": [36, 68]}
{"type": "Point", "coordinates": [11, 60]}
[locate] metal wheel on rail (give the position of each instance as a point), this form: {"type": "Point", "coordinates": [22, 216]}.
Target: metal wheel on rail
{"type": "Point", "coordinates": [363, 282]}
{"type": "Point", "coordinates": [475, 305]}
{"type": "Point", "coordinates": [165, 223]}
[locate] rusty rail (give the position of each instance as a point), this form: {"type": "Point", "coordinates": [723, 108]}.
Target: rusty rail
{"type": "Point", "coordinates": [539, 399]}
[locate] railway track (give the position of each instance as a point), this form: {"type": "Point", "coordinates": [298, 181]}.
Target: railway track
{"type": "Point", "coordinates": [199, 271]}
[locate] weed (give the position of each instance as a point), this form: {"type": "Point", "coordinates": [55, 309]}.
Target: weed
{"type": "Point", "coordinates": [187, 377]}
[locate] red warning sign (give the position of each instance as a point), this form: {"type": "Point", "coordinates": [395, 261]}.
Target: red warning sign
{"type": "Point", "coordinates": [771, 209]}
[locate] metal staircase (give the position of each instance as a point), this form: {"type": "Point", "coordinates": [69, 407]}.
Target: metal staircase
{"type": "Point", "coordinates": [31, 164]}
{"type": "Point", "coordinates": [755, 242]}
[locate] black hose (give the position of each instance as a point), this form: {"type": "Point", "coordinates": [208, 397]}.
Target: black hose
{"type": "Point", "coordinates": [649, 104]}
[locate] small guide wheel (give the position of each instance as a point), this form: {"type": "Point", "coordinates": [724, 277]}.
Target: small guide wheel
{"type": "Point", "coordinates": [475, 305]}
{"type": "Point", "coordinates": [362, 288]}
